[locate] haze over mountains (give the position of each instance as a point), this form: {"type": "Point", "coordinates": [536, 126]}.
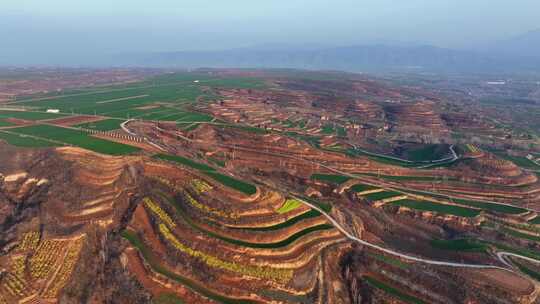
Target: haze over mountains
{"type": "Point", "coordinates": [517, 54]}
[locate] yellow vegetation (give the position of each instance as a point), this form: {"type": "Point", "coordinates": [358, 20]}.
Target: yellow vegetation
{"type": "Point", "coordinates": [159, 212]}
{"type": "Point", "coordinates": [42, 262]}
{"type": "Point", "coordinates": [67, 267]}
{"type": "Point", "coordinates": [167, 183]}
{"type": "Point", "coordinates": [267, 273]}
{"type": "Point", "coordinates": [29, 241]}
{"type": "Point", "coordinates": [472, 148]}
{"type": "Point", "coordinates": [200, 186]}
{"type": "Point", "coordinates": [205, 208]}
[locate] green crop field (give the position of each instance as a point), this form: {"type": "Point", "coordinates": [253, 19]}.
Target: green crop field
{"type": "Point", "coordinates": [76, 138]}
{"type": "Point", "coordinates": [439, 208]}
{"type": "Point", "coordinates": [289, 240]}
{"type": "Point", "coordinates": [406, 177]}
{"type": "Point", "coordinates": [125, 101]}
{"type": "Point", "coordinates": [4, 123]}
{"type": "Point", "coordinates": [521, 161]}
{"type": "Point", "coordinates": [381, 195]}
{"type": "Point", "coordinates": [328, 129]}
{"type": "Point", "coordinates": [102, 125]}
{"type": "Point", "coordinates": [396, 162]}
{"type": "Point", "coordinates": [226, 180]}
{"type": "Point", "coordinates": [389, 260]}
{"type": "Point", "coordinates": [289, 205]}
{"type": "Point", "coordinates": [304, 216]}
{"type": "Point", "coordinates": [535, 221]}
{"type": "Point", "coordinates": [492, 207]}
{"type": "Point", "coordinates": [393, 291]}
{"type": "Point", "coordinates": [362, 188]}
{"type": "Point", "coordinates": [167, 298]}
{"type": "Point", "coordinates": [26, 115]}
{"type": "Point", "coordinates": [233, 183]}
{"type": "Point", "coordinates": [459, 245]}
{"type": "Point", "coordinates": [25, 141]}
{"type": "Point", "coordinates": [338, 179]}
{"type": "Point", "coordinates": [184, 161]}
{"type": "Point", "coordinates": [533, 274]}
{"type": "Point", "coordinates": [427, 153]}
{"type": "Point", "coordinates": [480, 205]}
{"type": "Point", "coordinates": [341, 132]}
{"type": "Point", "coordinates": [520, 235]}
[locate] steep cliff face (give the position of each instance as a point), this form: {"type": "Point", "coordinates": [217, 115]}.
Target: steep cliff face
{"type": "Point", "coordinates": [61, 211]}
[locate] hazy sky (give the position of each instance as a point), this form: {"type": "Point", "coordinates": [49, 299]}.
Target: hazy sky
{"type": "Point", "coordinates": [69, 28]}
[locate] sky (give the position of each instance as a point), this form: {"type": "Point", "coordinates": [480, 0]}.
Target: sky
{"type": "Point", "coordinates": [68, 29]}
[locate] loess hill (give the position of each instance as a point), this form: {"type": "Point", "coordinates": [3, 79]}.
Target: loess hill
{"type": "Point", "coordinates": [232, 186]}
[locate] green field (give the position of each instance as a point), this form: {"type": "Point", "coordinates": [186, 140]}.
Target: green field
{"type": "Point", "coordinates": [518, 160]}
{"type": "Point", "coordinates": [362, 188]}
{"type": "Point", "coordinates": [535, 221]}
{"type": "Point", "coordinates": [328, 129]}
{"type": "Point", "coordinates": [520, 235]}
{"type": "Point", "coordinates": [76, 138]}
{"type": "Point", "coordinates": [102, 125]}
{"type": "Point", "coordinates": [233, 183]}
{"type": "Point", "coordinates": [480, 205]}
{"type": "Point", "coordinates": [459, 245]}
{"type": "Point", "coordinates": [26, 115]}
{"type": "Point", "coordinates": [439, 208]}
{"type": "Point", "coordinates": [533, 254]}
{"type": "Point", "coordinates": [406, 177]}
{"type": "Point", "coordinates": [184, 161]}
{"type": "Point", "coordinates": [25, 141]}
{"type": "Point", "coordinates": [326, 207]}
{"type": "Point", "coordinates": [533, 274]}
{"type": "Point", "coordinates": [174, 93]}
{"type": "Point", "coordinates": [427, 153]}
{"type": "Point", "coordinates": [389, 260]}
{"type": "Point", "coordinates": [381, 195]}
{"type": "Point", "coordinates": [332, 178]}
{"type": "Point", "coordinates": [289, 205]}
{"type": "Point", "coordinates": [490, 206]}
{"type": "Point", "coordinates": [481, 246]}
{"type": "Point", "coordinates": [393, 291]}
{"type": "Point", "coordinates": [291, 239]}
{"type": "Point", "coordinates": [304, 216]}
{"type": "Point", "coordinates": [226, 180]}
{"type": "Point", "coordinates": [4, 123]}
{"type": "Point", "coordinates": [396, 162]}
{"type": "Point", "coordinates": [167, 298]}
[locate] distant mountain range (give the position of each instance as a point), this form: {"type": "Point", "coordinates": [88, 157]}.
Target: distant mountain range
{"type": "Point", "coordinates": [525, 45]}
{"type": "Point", "coordinates": [508, 56]}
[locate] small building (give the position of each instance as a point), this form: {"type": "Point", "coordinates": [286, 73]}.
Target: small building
{"type": "Point", "coordinates": [53, 111]}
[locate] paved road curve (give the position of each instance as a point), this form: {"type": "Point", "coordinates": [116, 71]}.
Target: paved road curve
{"type": "Point", "coordinates": [395, 253]}
{"type": "Point", "coordinates": [368, 244]}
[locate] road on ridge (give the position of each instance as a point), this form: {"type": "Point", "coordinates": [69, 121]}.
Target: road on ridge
{"type": "Point", "coordinates": [350, 236]}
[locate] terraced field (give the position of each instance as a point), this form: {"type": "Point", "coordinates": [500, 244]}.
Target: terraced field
{"type": "Point", "coordinates": [235, 189]}
{"type": "Point", "coordinates": [21, 140]}
{"type": "Point", "coordinates": [184, 209]}
{"type": "Point", "coordinates": [226, 180]}
{"type": "Point", "coordinates": [76, 138]}
{"type": "Point", "coordinates": [438, 208]}
{"type": "Point", "coordinates": [29, 115]}
{"type": "Point", "coordinates": [102, 125]}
